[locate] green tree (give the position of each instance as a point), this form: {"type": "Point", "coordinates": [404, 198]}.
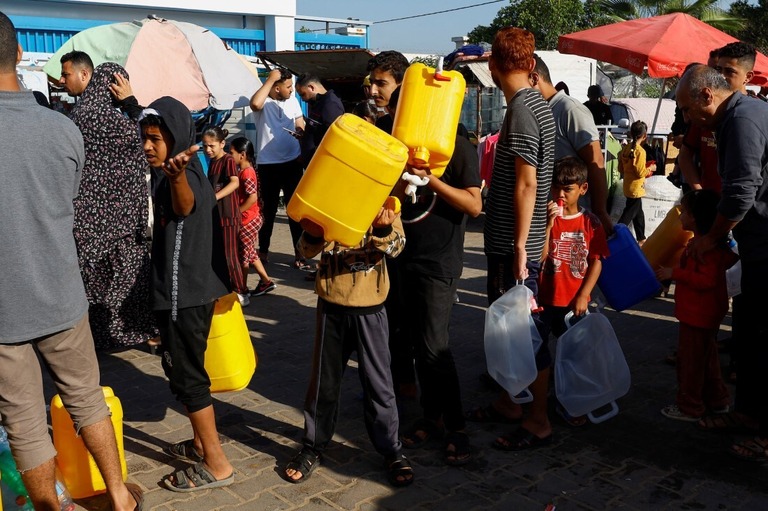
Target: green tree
{"type": "Point", "coordinates": [705, 10]}
{"type": "Point", "coordinates": [547, 19]}
{"type": "Point", "coordinates": [755, 30]}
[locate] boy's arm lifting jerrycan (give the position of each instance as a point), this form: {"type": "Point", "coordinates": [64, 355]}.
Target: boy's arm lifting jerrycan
{"type": "Point", "coordinates": [590, 368]}
{"type": "Point", "coordinates": [428, 113]}
{"type": "Point", "coordinates": [350, 176]}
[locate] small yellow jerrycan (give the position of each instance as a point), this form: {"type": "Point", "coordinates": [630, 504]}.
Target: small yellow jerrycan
{"type": "Point", "coordinates": [667, 242]}
{"type": "Point", "coordinates": [349, 178]}
{"type": "Point", "coordinates": [78, 468]}
{"type": "Point", "coordinates": [230, 359]}
{"type": "Point", "coordinates": [428, 113]}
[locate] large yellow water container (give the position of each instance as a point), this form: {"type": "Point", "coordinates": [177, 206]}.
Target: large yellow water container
{"type": "Point", "coordinates": [78, 468]}
{"type": "Point", "coordinates": [427, 115]}
{"type": "Point", "coordinates": [230, 359]}
{"type": "Point", "coordinates": [349, 178]}
{"type": "Point", "coordinates": [667, 242]}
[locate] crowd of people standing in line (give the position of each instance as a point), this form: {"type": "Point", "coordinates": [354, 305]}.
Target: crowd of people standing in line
{"type": "Point", "coordinates": [548, 160]}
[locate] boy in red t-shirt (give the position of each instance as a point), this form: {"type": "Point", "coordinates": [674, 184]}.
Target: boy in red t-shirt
{"type": "Point", "coordinates": [576, 243]}
{"type": "Point", "coordinates": [701, 302]}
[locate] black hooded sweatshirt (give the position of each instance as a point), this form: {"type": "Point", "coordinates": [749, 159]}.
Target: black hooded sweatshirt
{"type": "Point", "coordinates": [188, 265]}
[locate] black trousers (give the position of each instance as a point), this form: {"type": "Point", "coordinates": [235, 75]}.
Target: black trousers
{"type": "Point", "coordinates": [753, 343]}
{"type": "Point", "coordinates": [633, 212]}
{"type": "Point", "coordinates": [184, 342]}
{"type": "Point", "coordinates": [429, 301]}
{"type": "Point", "coordinates": [337, 335]}
{"type": "Point", "coordinates": [274, 177]}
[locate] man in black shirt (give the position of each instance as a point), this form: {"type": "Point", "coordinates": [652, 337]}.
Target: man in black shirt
{"type": "Point", "coordinates": [601, 112]}
{"type": "Point", "coordinates": [324, 106]}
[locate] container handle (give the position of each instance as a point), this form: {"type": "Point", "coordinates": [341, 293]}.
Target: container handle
{"type": "Point", "coordinates": [439, 76]}
{"type": "Point", "coordinates": [568, 317]}
{"type": "Point", "coordinates": [613, 412]}
{"type": "Point", "coordinates": [522, 397]}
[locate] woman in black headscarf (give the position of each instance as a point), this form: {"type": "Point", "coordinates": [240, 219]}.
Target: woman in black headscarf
{"type": "Point", "coordinates": [111, 212]}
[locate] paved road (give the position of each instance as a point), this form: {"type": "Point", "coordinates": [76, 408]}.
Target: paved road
{"type": "Point", "coordinates": [636, 461]}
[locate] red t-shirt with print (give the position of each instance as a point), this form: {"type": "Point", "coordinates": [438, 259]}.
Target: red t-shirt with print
{"type": "Point", "coordinates": [574, 241]}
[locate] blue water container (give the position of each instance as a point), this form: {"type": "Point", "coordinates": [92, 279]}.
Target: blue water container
{"type": "Point", "coordinates": [626, 278]}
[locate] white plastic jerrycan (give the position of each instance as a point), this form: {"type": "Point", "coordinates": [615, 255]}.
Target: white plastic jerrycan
{"type": "Point", "coordinates": [509, 347]}
{"type": "Point", "coordinates": [590, 368]}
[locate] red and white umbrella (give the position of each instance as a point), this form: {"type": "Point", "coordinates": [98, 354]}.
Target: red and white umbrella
{"type": "Point", "coordinates": [168, 58]}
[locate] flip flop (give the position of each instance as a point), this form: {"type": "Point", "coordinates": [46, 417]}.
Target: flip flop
{"type": "Point", "coordinates": [196, 478]}
{"type": "Point", "coordinates": [731, 422]}
{"type": "Point", "coordinates": [572, 421]}
{"type": "Point", "coordinates": [138, 496]}
{"type": "Point", "coordinates": [412, 440]}
{"type": "Point", "coordinates": [520, 440]}
{"type": "Point", "coordinates": [755, 449]}
{"type": "Point", "coordinates": [184, 451]}
{"type": "Point", "coordinates": [489, 414]}
{"type": "Point", "coordinates": [461, 454]}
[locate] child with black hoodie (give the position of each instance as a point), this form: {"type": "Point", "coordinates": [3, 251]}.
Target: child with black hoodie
{"type": "Point", "coordinates": [186, 281]}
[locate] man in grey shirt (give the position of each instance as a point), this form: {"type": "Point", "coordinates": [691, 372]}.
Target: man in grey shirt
{"type": "Point", "coordinates": [43, 308]}
{"type": "Point", "coordinates": [576, 136]}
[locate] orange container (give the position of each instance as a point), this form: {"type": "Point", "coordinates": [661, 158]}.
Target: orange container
{"type": "Point", "coordinates": [349, 178]}
{"type": "Point", "coordinates": [427, 115]}
{"type": "Point", "coordinates": [667, 242]}
{"type": "Point", "coordinates": [230, 359]}
{"type": "Point", "coordinates": [78, 468]}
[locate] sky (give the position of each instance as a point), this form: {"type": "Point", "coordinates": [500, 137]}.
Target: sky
{"type": "Point", "coordinates": [428, 34]}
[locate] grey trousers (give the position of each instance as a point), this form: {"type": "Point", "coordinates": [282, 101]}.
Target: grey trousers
{"type": "Point", "coordinates": [337, 335]}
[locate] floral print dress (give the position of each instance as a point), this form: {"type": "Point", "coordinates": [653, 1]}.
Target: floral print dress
{"type": "Point", "coordinates": [111, 212]}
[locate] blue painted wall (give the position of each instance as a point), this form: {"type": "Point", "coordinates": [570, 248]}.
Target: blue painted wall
{"type": "Point", "coordinates": [46, 35]}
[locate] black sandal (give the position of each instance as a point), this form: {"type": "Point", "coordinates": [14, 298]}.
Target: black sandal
{"type": "Point", "coordinates": [399, 470]}
{"type": "Point", "coordinates": [461, 453]}
{"type": "Point", "coordinates": [195, 478]}
{"type": "Point", "coordinates": [184, 451]}
{"type": "Point", "coordinates": [411, 439]}
{"type": "Point", "coordinates": [305, 462]}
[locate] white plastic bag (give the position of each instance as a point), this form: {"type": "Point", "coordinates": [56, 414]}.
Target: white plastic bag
{"type": "Point", "coordinates": [590, 368]}
{"type": "Point", "coordinates": [508, 340]}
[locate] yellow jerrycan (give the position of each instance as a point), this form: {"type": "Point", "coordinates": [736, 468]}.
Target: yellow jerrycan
{"type": "Point", "coordinates": [349, 178]}
{"type": "Point", "coordinates": [667, 242]}
{"type": "Point", "coordinates": [230, 359]}
{"type": "Point", "coordinates": [428, 113]}
{"type": "Point", "coordinates": [78, 469]}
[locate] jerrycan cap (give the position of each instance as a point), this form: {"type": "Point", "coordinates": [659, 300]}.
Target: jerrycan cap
{"type": "Point", "coordinates": [420, 156]}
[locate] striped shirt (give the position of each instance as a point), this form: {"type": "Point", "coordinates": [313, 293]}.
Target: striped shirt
{"type": "Point", "coordinates": [528, 132]}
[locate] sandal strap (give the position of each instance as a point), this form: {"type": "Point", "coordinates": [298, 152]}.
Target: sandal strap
{"type": "Point", "coordinates": [199, 475]}
{"type": "Point", "coordinates": [303, 461]}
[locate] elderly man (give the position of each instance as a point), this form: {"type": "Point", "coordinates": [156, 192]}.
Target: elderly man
{"type": "Point", "coordinates": [741, 128]}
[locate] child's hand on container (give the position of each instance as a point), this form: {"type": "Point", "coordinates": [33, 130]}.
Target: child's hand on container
{"type": "Point", "coordinates": [387, 213]}
{"type": "Point", "coordinates": [580, 305]}
{"type": "Point", "coordinates": [663, 273]}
